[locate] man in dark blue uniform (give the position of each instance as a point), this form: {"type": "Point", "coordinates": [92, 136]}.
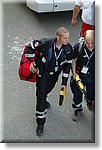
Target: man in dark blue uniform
{"type": "Point", "coordinates": [55, 56]}
{"type": "Point", "coordinates": [83, 64]}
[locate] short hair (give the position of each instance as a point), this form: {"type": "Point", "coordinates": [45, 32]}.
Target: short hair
{"type": "Point", "coordinates": [60, 31]}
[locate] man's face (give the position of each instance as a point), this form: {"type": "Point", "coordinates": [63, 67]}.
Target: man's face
{"type": "Point", "coordinates": [64, 39]}
{"type": "Point", "coordinates": [90, 43]}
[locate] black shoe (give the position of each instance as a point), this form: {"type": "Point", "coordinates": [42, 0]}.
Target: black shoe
{"type": "Point", "coordinates": [48, 106]}
{"type": "Point", "coordinates": [89, 106]}
{"type": "Point", "coordinates": [39, 130]}
{"type": "Point", "coordinates": [76, 115]}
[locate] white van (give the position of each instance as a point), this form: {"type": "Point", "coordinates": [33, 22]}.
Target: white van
{"type": "Point", "coordinates": [42, 6]}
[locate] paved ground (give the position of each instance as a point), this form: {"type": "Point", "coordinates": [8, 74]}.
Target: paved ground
{"type": "Point", "coordinates": [20, 25]}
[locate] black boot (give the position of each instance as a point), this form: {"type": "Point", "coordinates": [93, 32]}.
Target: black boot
{"type": "Point", "coordinates": [39, 130]}
{"type": "Point", "coordinates": [76, 115]}
{"type": "Point", "coordinates": [89, 106]}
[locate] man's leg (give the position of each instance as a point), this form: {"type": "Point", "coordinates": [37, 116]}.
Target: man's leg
{"type": "Point", "coordinates": [77, 99]}
{"type": "Point", "coordinates": [52, 79]}
{"type": "Point", "coordinates": [41, 111]}
{"type": "Point", "coordinates": [90, 87]}
{"type": "Point", "coordinates": [44, 85]}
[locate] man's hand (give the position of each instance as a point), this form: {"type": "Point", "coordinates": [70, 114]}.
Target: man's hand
{"type": "Point", "coordinates": [63, 86]}
{"type": "Point", "coordinates": [33, 67]}
{"type": "Point", "coordinates": [74, 75]}
{"type": "Point", "coordinates": [74, 22]}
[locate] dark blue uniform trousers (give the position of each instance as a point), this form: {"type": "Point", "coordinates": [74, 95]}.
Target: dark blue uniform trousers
{"type": "Point", "coordinates": [88, 81]}
{"type": "Point", "coordinates": [44, 85]}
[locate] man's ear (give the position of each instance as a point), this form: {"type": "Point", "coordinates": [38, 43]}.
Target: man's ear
{"type": "Point", "coordinates": [58, 38]}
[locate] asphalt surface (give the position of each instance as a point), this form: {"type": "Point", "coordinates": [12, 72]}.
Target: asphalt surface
{"type": "Point", "coordinates": [21, 25]}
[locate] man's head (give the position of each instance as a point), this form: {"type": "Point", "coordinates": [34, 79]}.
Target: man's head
{"type": "Point", "coordinates": [90, 39]}
{"type": "Point", "coordinates": [62, 35]}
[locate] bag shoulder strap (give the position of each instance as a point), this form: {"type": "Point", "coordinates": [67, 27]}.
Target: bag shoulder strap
{"type": "Point", "coordinates": [81, 43]}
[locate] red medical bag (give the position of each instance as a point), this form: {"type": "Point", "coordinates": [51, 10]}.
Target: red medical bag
{"type": "Point", "coordinates": [24, 68]}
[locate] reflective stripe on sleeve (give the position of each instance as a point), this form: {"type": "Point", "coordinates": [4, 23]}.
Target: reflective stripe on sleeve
{"type": "Point", "coordinates": [65, 75]}
{"type": "Point", "coordinates": [32, 45]}
{"type": "Point", "coordinates": [44, 60]}
{"type": "Point", "coordinates": [68, 61]}
{"type": "Point", "coordinates": [63, 62]}
{"type": "Point", "coordinates": [30, 55]}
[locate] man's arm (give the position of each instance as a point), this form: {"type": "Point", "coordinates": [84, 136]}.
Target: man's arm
{"type": "Point", "coordinates": [65, 74]}
{"type": "Point", "coordinates": [74, 68]}
{"type": "Point", "coordinates": [68, 64]}
{"type": "Point", "coordinates": [35, 48]}
{"type": "Point", "coordinates": [76, 11]}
